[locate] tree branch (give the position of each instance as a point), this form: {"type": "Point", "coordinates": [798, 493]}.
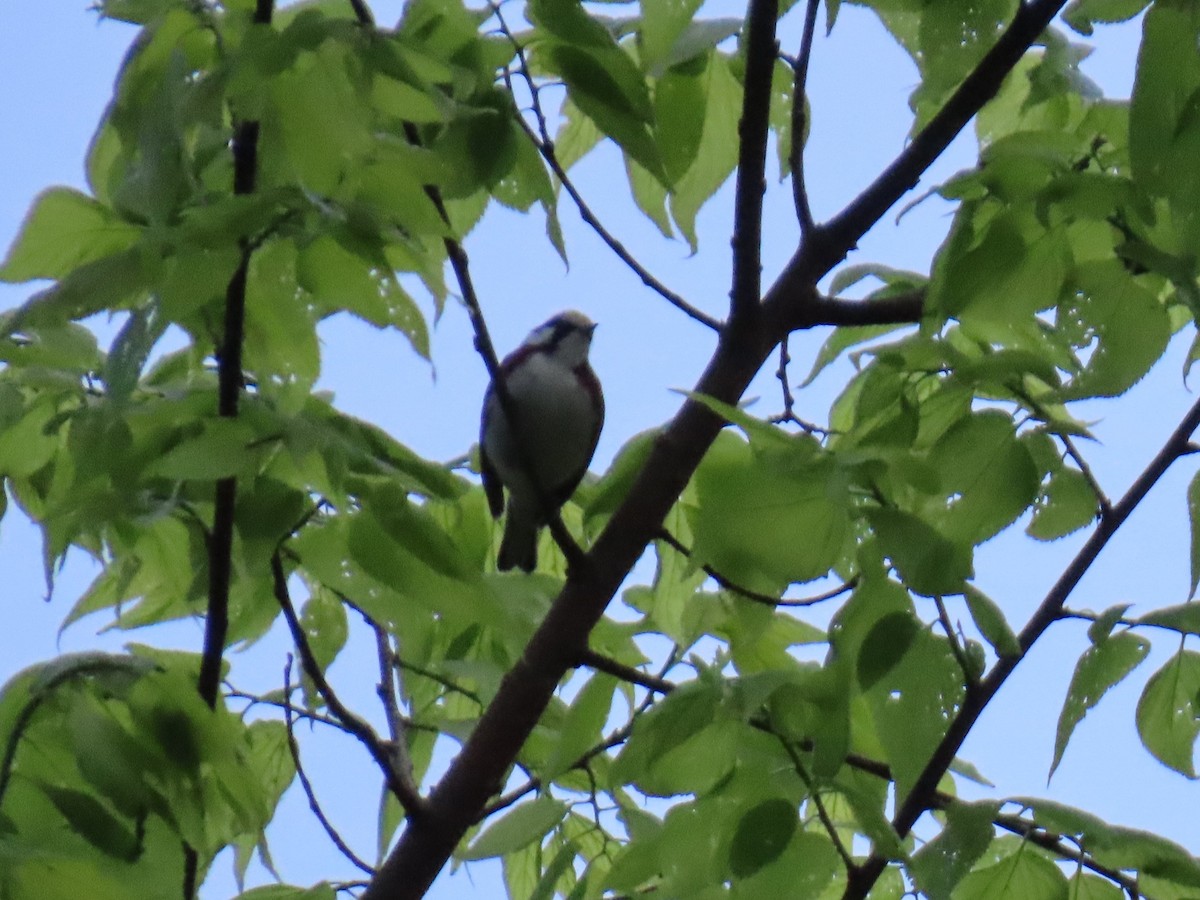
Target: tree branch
{"type": "Point", "coordinates": [305, 784]}
{"type": "Point", "coordinates": [397, 728]}
{"type": "Point", "coordinates": [610, 666]}
{"type": "Point", "coordinates": [800, 120]}
{"type": "Point", "coordinates": [924, 789]}
{"type": "Point", "coordinates": [761, 53]}
{"type": "Point", "coordinates": [399, 782]}
{"type": "Point", "coordinates": [545, 145]}
{"type": "Point", "coordinates": [230, 382]}
{"type": "Point", "coordinates": [1102, 501]}
{"type": "Point", "coordinates": [828, 244]}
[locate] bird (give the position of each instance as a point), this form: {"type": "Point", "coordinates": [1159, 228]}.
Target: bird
{"type": "Point", "coordinates": [558, 406]}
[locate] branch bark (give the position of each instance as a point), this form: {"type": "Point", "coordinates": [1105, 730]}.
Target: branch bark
{"type": "Point", "coordinates": [761, 52]}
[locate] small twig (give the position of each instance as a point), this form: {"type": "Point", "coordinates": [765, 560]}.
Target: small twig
{"type": "Point", "coordinates": [363, 13]}
{"type": "Point", "coordinates": [253, 700]}
{"type": "Point", "coordinates": [942, 800]}
{"type": "Point", "coordinates": [830, 594]}
{"type": "Point", "coordinates": [397, 728]}
{"type": "Point", "coordinates": [617, 737]}
{"type": "Point", "coordinates": [762, 50]}
{"type": "Point", "coordinates": [765, 599]}
{"type": "Point", "coordinates": [545, 145]}
{"type": "Point", "coordinates": [507, 799]}
{"type": "Point", "coordinates": [1088, 475]}
{"type": "Point", "coordinates": [607, 664]}
{"type": "Point", "coordinates": [956, 648]}
{"type": "Point", "coordinates": [822, 813]}
{"type": "Point", "coordinates": [789, 401]}
{"type": "Point", "coordinates": [799, 120]}
{"type": "Point", "coordinates": [802, 424]}
{"type": "Point", "coordinates": [306, 785]}
{"type": "Point", "coordinates": [400, 783]}
{"type": "Point", "coordinates": [746, 593]}
{"type": "Point", "coordinates": [402, 664]}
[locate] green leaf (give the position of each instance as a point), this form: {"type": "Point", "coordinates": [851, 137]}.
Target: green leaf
{"type": "Point", "coordinates": [717, 151]}
{"type": "Point", "coordinates": [988, 473]}
{"type": "Point", "coordinates": [1101, 666]}
{"type": "Point", "coordinates": [518, 827]}
{"type": "Point", "coordinates": [1117, 847]}
{"type": "Point", "coordinates": [912, 703]}
{"type": "Point", "coordinates": [990, 621]}
{"type": "Point", "coordinates": [110, 283]}
{"type": "Point", "coordinates": [1104, 623]}
{"type": "Point", "coordinates": [569, 21]}
{"type": "Point", "coordinates": [1066, 504]}
{"type": "Point", "coordinates": [841, 340]}
{"type": "Point", "coordinates": [581, 730]}
{"type": "Point", "coordinates": [480, 147]}
{"type": "Point", "coordinates": [680, 100]}
{"type": "Point", "coordinates": [28, 443]}
{"type": "Point", "coordinates": [1127, 323]}
{"type": "Point", "coordinates": [287, 892]}
{"type": "Point", "coordinates": [884, 646]}
{"type": "Point", "coordinates": [662, 24]}
{"type": "Point", "coordinates": [362, 284]}
{"type": "Point", "coordinates": [129, 352]}
{"type": "Point", "coordinates": [280, 331]}
{"type": "Point", "coordinates": [1083, 14]}
{"type": "Point", "coordinates": [1168, 712]}
{"type": "Point", "coordinates": [1164, 130]}
{"type": "Point", "coordinates": [764, 525]}
{"type": "Point", "coordinates": [1022, 874]}
{"type": "Point", "coordinates": [668, 725]}
{"type": "Point", "coordinates": [608, 89]}
{"type": "Point", "coordinates": [929, 562]}
{"type": "Point", "coordinates": [1184, 618]}
{"type": "Point", "coordinates": [317, 119]}
{"type": "Point", "coordinates": [761, 835]}
{"type": "Point", "coordinates": [63, 231]}
{"type": "Point", "coordinates": [323, 619]}
{"type": "Point", "coordinates": [220, 450]}
{"type": "Point", "coordinates": [698, 38]}
{"type": "Point", "coordinates": [91, 820]}
{"type": "Point", "coordinates": [942, 863]}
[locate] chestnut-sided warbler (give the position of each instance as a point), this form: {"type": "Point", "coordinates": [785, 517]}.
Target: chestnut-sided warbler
{"type": "Point", "coordinates": [559, 410]}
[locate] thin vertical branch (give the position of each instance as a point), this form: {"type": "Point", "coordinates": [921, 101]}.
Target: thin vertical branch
{"type": "Point", "coordinates": [399, 781]}
{"type": "Point", "coordinates": [761, 53]}
{"type": "Point", "coordinates": [388, 695]}
{"type": "Point", "coordinates": [289, 716]}
{"type": "Point", "coordinates": [230, 382]}
{"type": "Point", "coordinates": [800, 119]}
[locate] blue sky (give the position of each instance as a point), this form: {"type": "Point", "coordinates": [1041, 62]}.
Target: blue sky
{"type": "Point", "coordinates": [57, 64]}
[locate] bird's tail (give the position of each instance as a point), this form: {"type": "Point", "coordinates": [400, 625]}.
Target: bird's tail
{"type": "Point", "coordinates": [518, 548]}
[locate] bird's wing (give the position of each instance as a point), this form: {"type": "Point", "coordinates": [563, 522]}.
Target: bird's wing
{"type": "Point", "coordinates": [492, 486]}
{"type": "Point", "coordinates": [563, 492]}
